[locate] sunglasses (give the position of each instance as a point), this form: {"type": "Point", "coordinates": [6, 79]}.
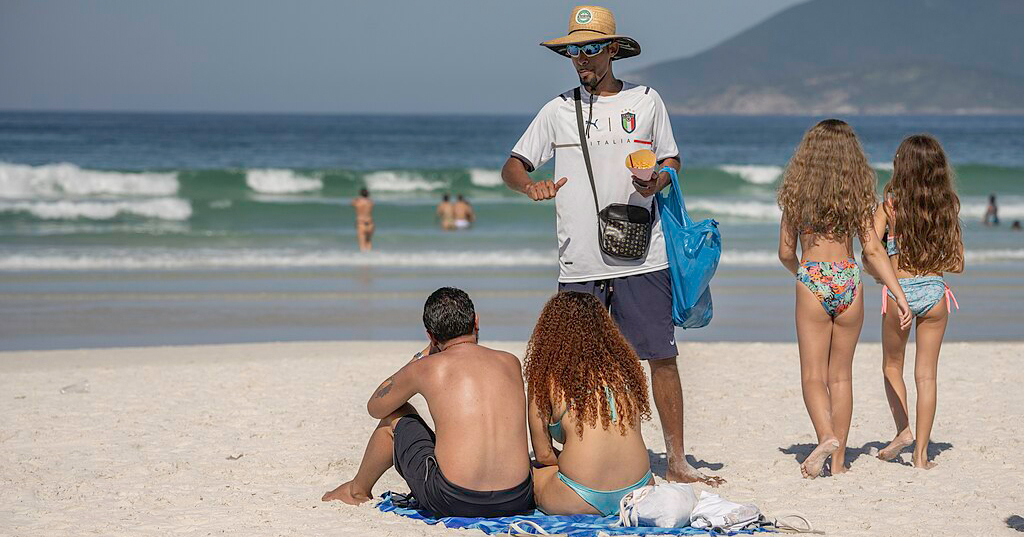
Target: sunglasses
{"type": "Point", "coordinates": [590, 49]}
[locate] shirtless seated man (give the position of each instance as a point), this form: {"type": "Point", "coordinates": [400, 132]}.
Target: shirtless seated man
{"type": "Point", "coordinates": [477, 464]}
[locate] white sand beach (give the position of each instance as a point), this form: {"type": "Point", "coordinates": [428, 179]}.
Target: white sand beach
{"type": "Point", "coordinates": [244, 439]}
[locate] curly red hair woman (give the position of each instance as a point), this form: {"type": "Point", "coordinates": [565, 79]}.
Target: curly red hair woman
{"type": "Point", "coordinates": [587, 391]}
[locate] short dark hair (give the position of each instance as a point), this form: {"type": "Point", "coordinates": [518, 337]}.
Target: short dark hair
{"type": "Point", "coordinates": [445, 197]}
{"type": "Point", "coordinates": [448, 314]}
{"type": "Point", "coordinates": [364, 193]}
{"type": "Point", "coordinates": [461, 198]}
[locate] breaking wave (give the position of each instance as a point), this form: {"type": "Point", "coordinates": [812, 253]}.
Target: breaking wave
{"type": "Point", "coordinates": [273, 181]}
{"type": "Point", "coordinates": [755, 210]}
{"type": "Point", "coordinates": [485, 178]}
{"type": "Point", "coordinates": [18, 181]}
{"type": "Point", "coordinates": [278, 258]}
{"type": "Point", "coordinates": [754, 174]}
{"type": "Point", "coordinates": [400, 182]}
{"type": "Point", "coordinates": [160, 208]}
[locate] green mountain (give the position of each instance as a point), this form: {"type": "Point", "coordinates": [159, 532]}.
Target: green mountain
{"type": "Point", "coordinates": [858, 56]}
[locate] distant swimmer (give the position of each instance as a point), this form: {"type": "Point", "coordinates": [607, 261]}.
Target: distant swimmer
{"type": "Point", "coordinates": [991, 212]}
{"type": "Point", "coordinates": [1016, 225]}
{"type": "Point", "coordinates": [463, 211]}
{"type": "Point", "coordinates": [364, 220]}
{"type": "Point", "coordinates": [446, 213]}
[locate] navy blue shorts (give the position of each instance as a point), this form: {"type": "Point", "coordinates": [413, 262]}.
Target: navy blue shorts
{"type": "Point", "coordinates": [642, 307]}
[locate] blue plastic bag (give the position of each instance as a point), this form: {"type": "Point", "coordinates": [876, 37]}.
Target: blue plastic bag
{"type": "Point", "coordinates": [694, 249]}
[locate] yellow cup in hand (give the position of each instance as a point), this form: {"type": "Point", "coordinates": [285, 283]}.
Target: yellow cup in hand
{"type": "Point", "coordinates": [642, 163]}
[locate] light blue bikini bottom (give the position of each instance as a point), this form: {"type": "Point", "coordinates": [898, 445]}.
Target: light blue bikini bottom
{"type": "Point", "coordinates": [923, 293]}
{"type": "Point", "coordinates": [605, 501]}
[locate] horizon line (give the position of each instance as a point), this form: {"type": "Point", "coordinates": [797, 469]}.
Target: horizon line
{"type": "Point", "coordinates": [972, 113]}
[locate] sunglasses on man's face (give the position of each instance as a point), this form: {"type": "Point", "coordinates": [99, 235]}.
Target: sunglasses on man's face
{"type": "Point", "coordinates": [590, 49]}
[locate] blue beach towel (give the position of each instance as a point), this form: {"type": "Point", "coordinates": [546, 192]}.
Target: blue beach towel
{"type": "Point", "coordinates": [574, 525]}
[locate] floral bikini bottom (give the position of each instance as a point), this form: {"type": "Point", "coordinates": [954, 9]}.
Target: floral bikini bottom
{"type": "Point", "coordinates": [835, 283]}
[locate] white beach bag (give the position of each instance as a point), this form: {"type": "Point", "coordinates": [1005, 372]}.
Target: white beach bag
{"type": "Point", "coordinates": [713, 511]}
{"type": "Point", "coordinates": [665, 506]}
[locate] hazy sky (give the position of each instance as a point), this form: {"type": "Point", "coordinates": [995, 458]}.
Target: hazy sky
{"type": "Point", "coordinates": [439, 56]}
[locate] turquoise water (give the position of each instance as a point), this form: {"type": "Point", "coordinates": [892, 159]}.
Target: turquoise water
{"type": "Point", "coordinates": [178, 228]}
{"type": "Point", "coordinates": [180, 191]}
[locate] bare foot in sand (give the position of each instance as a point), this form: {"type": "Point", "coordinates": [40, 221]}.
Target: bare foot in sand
{"type": "Point", "coordinates": [348, 493]}
{"type": "Point", "coordinates": [689, 474]}
{"type": "Point", "coordinates": [926, 465]}
{"type": "Point", "coordinates": [902, 440]}
{"type": "Point", "coordinates": [812, 465]}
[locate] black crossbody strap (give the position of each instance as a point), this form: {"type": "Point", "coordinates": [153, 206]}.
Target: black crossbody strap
{"type": "Point", "coordinates": [584, 144]}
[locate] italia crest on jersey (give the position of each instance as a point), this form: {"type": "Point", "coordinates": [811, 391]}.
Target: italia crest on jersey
{"type": "Point", "coordinates": [628, 121]}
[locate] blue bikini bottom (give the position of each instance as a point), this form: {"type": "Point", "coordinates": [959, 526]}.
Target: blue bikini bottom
{"type": "Point", "coordinates": [605, 501]}
{"type": "Point", "coordinates": [923, 293]}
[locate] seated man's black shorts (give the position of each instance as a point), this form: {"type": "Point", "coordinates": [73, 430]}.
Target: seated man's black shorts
{"type": "Point", "coordinates": [415, 462]}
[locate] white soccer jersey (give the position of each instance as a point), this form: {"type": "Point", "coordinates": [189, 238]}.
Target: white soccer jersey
{"type": "Point", "coordinates": [634, 118]}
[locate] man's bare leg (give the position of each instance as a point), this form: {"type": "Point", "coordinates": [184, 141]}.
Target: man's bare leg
{"type": "Point", "coordinates": [377, 458]}
{"type": "Point", "coordinates": [668, 399]}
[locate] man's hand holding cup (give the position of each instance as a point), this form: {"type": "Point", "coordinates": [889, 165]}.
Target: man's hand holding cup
{"type": "Point", "coordinates": [641, 165]}
{"type": "Point", "coordinates": [646, 188]}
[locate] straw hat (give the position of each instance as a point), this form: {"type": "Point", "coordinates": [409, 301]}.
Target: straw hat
{"type": "Point", "coordinates": [588, 24]}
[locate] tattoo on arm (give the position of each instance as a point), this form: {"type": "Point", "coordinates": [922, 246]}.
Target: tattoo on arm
{"type": "Point", "coordinates": [385, 388]}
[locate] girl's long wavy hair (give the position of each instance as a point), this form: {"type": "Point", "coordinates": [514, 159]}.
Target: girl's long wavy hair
{"type": "Point", "coordinates": [575, 351]}
{"type": "Point", "coordinates": [829, 187]}
{"type": "Point", "coordinates": [924, 212]}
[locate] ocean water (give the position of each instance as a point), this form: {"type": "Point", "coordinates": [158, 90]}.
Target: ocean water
{"type": "Point", "coordinates": [191, 198]}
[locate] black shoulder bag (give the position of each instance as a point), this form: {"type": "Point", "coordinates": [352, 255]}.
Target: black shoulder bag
{"type": "Point", "coordinates": [623, 231]}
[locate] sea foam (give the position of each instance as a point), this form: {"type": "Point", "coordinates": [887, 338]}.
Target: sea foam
{"type": "Point", "coordinates": [273, 181]}
{"type": "Point", "coordinates": [485, 178]}
{"type": "Point", "coordinates": [399, 182]}
{"type": "Point", "coordinates": [769, 211]}
{"type": "Point", "coordinates": [158, 208]}
{"type": "Point", "coordinates": [755, 174]}
{"type": "Point", "coordinates": [755, 210]}
{"type": "Point", "coordinates": [976, 210]}
{"type": "Point", "coordinates": [18, 181]}
{"type": "Point", "coordinates": [276, 258]}
{"type": "Point", "coordinates": [155, 259]}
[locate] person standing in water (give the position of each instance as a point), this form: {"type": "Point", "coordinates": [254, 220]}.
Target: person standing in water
{"type": "Point", "coordinates": [991, 217]}
{"type": "Point", "coordinates": [364, 220]}
{"type": "Point", "coordinates": [463, 213]}
{"type": "Point", "coordinates": [621, 118]}
{"type": "Point", "coordinates": [446, 213]}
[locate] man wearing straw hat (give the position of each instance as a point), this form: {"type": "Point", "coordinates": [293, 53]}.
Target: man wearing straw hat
{"type": "Point", "coordinates": [619, 118]}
